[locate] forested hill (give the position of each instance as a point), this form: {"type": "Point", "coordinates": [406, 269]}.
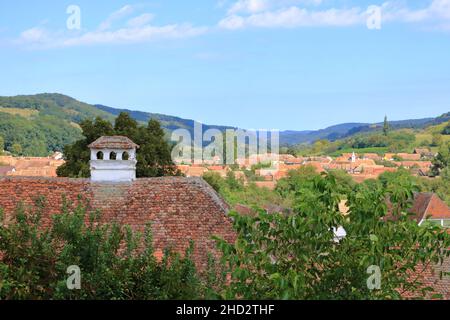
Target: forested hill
{"type": "Point", "coordinates": [168, 122]}
{"type": "Point", "coordinates": [40, 124]}
{"type": "Point", "coordinates": [36, 125]}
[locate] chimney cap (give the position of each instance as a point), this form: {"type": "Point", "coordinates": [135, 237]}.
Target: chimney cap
{"type": "Point", "coordinates": [113, 142]}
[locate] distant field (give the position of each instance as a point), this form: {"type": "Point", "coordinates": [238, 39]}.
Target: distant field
{"type": "Point", "coordinates": [427, 135]}
{"type": "Point", "coordinates": [26, 113]}
{"type": "Point", "coordinates": [75, 125]}
{"type": "Point", "coordinates": [380, 151]}
{"type": "Point", "coordinates": [437, 129]}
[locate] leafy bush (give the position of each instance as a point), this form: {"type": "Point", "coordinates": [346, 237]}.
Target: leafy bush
{"type": "Point", "coordinates": [115, 262]}
{"type": "Point", "coordinates": [297, 256]}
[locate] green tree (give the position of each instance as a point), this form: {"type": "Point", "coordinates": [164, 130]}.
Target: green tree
{"type": "Point", "coordinates": [446, 130]}
{"type": "Point", "coordinates": [124, 125]}
{"type": "Point", "coordinates": [16, 149]}
{"type": "Point", "coordinates": [320, 146]}
{"type": "Point", "coordinates": [154, 154]}
{"type": "Point", "coordinates": [442, 159]}
{"type": "Point", "coordinates": [2, 144]}
{"type": "Point", "coordinates": [297, 180]}
{"type": "Point", "coordinates": [116, 263]}
{"type": "Point", "coordinates": [385, 126]}
{"type": "Point", "coordinates": [436, 140]}
{"type": "Point", "coordinates": [214, 180]}
{"type": "Point", "coordinates": [77, 155]}
{"type": "Point", "coordinates": [297, 256]}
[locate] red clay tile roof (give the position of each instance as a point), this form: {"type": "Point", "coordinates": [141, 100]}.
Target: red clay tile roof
{"type": "Point", "coordinates": [430, 277]}
{"type": "Point", "coordinates": [429, 205]}
{"type": "Point", "coordinates": [425, 205]}
{"type": "Point", "coordinates": [244, 210]}
{"type": "Point", "coordinates": [113, 142]}
{"type": "Point", "coordinates": [179, 209]}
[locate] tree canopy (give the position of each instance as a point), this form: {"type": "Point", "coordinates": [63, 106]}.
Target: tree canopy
{"type": "Point", "coordinates": [298, 255]}
{"type": "Point", "coordinates": [446, 130]}
{"type": "Point", "coordinates": [442, 159]}
{"type": "Point", "coordinates": [153, 156]}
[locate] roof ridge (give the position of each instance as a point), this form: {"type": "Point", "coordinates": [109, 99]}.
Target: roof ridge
{"type": "Point", "coordinates": [428, 205]}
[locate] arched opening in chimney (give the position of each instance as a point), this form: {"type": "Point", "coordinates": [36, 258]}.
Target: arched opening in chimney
{"type": "Point", "coordinates": [125, 156]}
{"type": "Point", "coordinates": [113, 156]}
{"type": "Point", "coordinates": [100, 155]}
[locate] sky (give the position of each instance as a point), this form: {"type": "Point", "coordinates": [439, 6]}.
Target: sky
{"type": "Point", "coordinates": [256, 64]}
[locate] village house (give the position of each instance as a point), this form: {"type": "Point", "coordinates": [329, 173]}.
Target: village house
{"type": "Point", "coordinates": [409, 156]}
{"type": "Point", "coordinates": [31, 166]}
{"type": "Point", "coordinates": [402, 156]}
{"type": "Point", "coordinates": [372, 156]}
{"type": "Point", "coordinates": [430, 206]}
{"type": "Point", "coordinates": [425, 153]}
{"type": "Point", "coordinates": [424, 166]}
{"type": "Point", "coordinates": [179, 209]}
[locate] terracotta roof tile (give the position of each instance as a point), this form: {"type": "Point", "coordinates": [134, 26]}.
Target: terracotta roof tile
{"type": "Point", "coordinates": [429, 205]}
{"type": "Point", "coordinates": [5, 170]}
{"type": "Point", "coordinates": [113, 142]}
{"type": "Point", "coordinates": [179, 209]}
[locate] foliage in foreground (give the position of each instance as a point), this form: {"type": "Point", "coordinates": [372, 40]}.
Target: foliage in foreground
{"type": "Point", "coordinates": [276, 256]}
{"type": "Point", "coordinates": [115, 263]}
{"type": "Point", "coordinates": [298, 257]}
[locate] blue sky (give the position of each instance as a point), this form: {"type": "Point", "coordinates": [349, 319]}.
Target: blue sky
{"type": "Point", "coordinates": [274, 64]}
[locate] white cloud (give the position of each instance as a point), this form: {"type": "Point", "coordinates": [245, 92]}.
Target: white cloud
{"type": "Point", "coordinates": [242, 14]}
{"type": "Point", "coordinates": [43, 39]}
{"type": "Point", "coordinates": [441, 8]}
{"type": "Point", "coordinates": [115, 16]}
{"type": "Point", "coordinates": [141, 20]}
{"type": "Point", "coordinates": [255, 6]}
{"type": "Point", "coordinates": [296, 17]}
{"type": "Point", "coordinates": [437, 11]}
{"type": "Point", "coordinates": [249, 6]}
{"type": "Point", "coordinates": [36, 35]}
{"type": "Point", "coordinates": [135, 35]}
{"type": "Point", "coordinates": [136, 30]}
{"type": "Point", "coordinates": [233, 22]}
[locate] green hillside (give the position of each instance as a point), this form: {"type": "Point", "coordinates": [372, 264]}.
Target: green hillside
{"type": "Point", "coordinates": [40, 124]}
{"type": "Point", "coordinates": [396, 140]}
{"type": "Point", "coordinates": [37, 125]}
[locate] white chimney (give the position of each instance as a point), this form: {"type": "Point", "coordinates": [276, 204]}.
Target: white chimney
{"type": "Point", "coordinates": [113, 159]}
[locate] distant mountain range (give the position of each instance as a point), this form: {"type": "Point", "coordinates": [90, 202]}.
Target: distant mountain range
{"type": "Point", "coordinates": [45, 122]}
{"type": "Point", "coordinates": [288, 137]}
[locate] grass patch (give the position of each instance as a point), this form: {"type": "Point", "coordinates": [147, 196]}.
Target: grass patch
{"type": "Point", "coordinates": [378, 150]}
{"type": "Point", "coordinates": [75, 125]}
{"type": "Point", "coordinates": [26, 113]}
